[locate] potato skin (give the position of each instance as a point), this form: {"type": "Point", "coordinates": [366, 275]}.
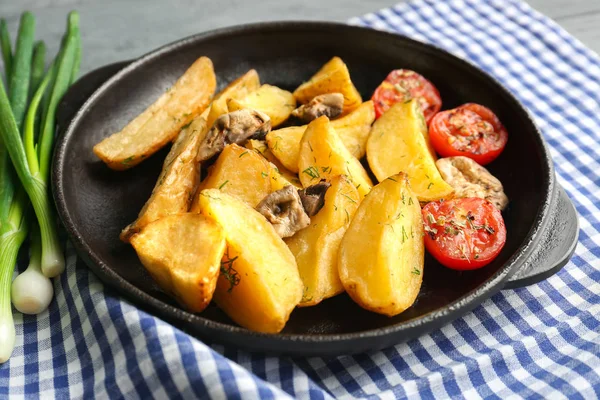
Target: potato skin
{"type": "Point", "coordinates": [333, 77]}
{"type": "Point", "coordinates": [183, 254]}
{"type": "Point", "coordinates": [316, 247]}
{"type": "Point", "coordinates": [399, 142]}
{"type": "Point", "coordinates": [277, 103]}
{"type": "Point", "coordinates": [323, 156]}
{"type": "Point", "coordinates": [261, 285]}
{"type": "Point", "coordinates": [162, 121]}
{"type": "Point", "coordinates": [381, 257]}
{"type": "Point", "coordinates": [177, 182]}
{"type": "Point", "coordinates": [243, 174]}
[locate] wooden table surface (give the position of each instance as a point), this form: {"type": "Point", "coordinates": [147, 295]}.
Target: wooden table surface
{"type": "Point", "coordinates": [115, 30]}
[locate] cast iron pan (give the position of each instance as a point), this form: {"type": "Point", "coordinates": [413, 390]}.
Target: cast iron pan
{"type": "Point", "coordinates": [95, 203]}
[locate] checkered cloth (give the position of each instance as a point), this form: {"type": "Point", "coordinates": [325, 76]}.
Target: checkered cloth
{"type": "Point", "coordinates": [542, 341]}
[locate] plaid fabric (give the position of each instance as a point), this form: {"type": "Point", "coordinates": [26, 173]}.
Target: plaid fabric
{"type": "Point", "coordinates": [542, 341]}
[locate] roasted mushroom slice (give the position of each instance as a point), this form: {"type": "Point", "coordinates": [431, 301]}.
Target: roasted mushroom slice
{"type": "Point", "coordinates": [313, 197]}
{"type": "Point", "coordinates": [470, 179]}
{"type": "Point", "coordinates": [234, 127]}
{"type": "Point", "coordinates": [330, 105]}
{"type": "Point", "coordinates": [283, 209]}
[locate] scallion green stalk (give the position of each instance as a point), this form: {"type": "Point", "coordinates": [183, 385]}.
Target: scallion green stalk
{"type": "Point", "coordinates": [38, 66]}
{"type": "Point", "coordinates": [6, 48]}
{"type": "Point", "coordinates": [21, 69]}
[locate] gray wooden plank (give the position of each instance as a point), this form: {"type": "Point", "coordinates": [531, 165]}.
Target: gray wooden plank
{"type": "Point", "coordinates": [115, 30]}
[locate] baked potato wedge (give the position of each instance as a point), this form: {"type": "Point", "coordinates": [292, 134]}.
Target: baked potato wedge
{"type": "Point", "coordinates": [323, 156]}
{"type": "Point", "coordinates": [277, 103]}
{"type": "Point", "coordinates": [381, 256]}
{"type": "Point", "coordinates": [316, 246]}
{"type": "Point", "coordinates": [284, 143]}
{"type": "Point", "coordinates": [353, 129]}
{"type": "Point", "coordinates": [237, 89]}
{"type": "Point", "coordinates": [333, 77]}
{"type": "Point", "coordinates": [177, 182]}
{"type": "Point", "coordinates": [183, 254]}
{"type": "Point", "coordinates": [398, 142]}
{"type": "Point", "coordinates": [259, 285]}
{"type": "Point", "coordinates": [242, 173]}
{"type": "Point", "coordinates": [261, 147]}
{"type": "Point", "coordinates": [160, 123]}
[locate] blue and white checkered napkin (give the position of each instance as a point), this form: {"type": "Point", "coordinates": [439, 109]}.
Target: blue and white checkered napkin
{"type": "Point", "coordinates": [542, 341]}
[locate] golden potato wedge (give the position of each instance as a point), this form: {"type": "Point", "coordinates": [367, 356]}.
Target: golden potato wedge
{"type": "Point", "coordinates": [333, 77]}
{"type": "Point", "coordinates": [177, 182]}
{"type": "Point", "coordinates": [277, 103]}
{"type": "Point", "coordinates": [398, 142]}
{"type": "Point", "coordinates": [323, 156]}
{"type": "Point", "coordinates": [183, 254]}
{"type": "Point", "coordinates": [237, 89]}
{"type": "Point", "coordinates": [259, 285]}
{"type": "Point", "coordinates": [242, 173]}
{"type": "Point", "coordinates": [316, 247]}
{"type": "Point", "coordinates": [285, 145]}
{"type": "Point", "coordinates": [354, 128]}
{"type": "Point", "coordinates": [381, 256]}
{"type": "Point", "coordinates": [162, 121]}
{"type": "Point", "coordinates": [261, 147]}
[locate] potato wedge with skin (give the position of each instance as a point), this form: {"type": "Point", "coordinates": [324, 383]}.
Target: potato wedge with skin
{"type": "Point", "coordinates": [333, 77]}
{"type": "Point", "coordinates": [381, 257]}
{"type": "Point", "coordinates": [259, 285]}
{"type": "Point", "coordinates": [183, 254]}
{"type": "Point", "coordinates": [284, 143]}
{"type": "Point", "coordinates": [277, 103]}
{"type": "Point", "coordinates": [316, 247]}
{"type": "Point", "coordinates": [398, 142]}
{"type": "Point", "coordinates": [261, 147]}
{"type": "Point", "coordinates": [237, 89]}
{"type": "Point", "coordinates": [177, 182]}
{"type": "Point", "coordinates": [242, 173]}
{"type": "Point", "coordinates": [353, 129]}
{"type": "Point", "coordinates": [323, 156]}
{"type": "Point", "coordinates": [162, 121]}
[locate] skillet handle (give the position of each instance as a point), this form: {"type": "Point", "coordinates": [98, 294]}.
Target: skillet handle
{"type": "Point", "coordinates": [558, 241]}
{"type": "Point", "coordinates": [81, 90]}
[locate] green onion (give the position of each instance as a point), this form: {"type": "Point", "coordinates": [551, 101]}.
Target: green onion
{"type": "Point", "coordinates": [6, 50]}
{"type": "Point", "coordinates": [30, 154]}
{"type": "Point", "coordinates": [21, 69]}
{"type": "Point", "coordinates": [38, 66]}
{"type": "Point", "coordinates": [10, 242]}
{"type": "Point", "coordinates": [32, 291]}
{"type": "Point", "coordinates": [62, 80]}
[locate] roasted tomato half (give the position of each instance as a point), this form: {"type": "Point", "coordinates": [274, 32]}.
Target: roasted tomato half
{"type": "Point", "coordinates": [463, 233]}
{"type": "Point", "coordinates": [470, 130]}
{"type": "Point", "coordinates": [404, 85]}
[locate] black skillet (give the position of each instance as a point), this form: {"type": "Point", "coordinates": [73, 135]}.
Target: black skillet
{"type": "Point", "coordinates": [94, 203]}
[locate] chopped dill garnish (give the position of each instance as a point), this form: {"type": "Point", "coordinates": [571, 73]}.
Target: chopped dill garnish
{"type": "Point", "coordinates": [313, 172]}
{"type": "Point", "coordinates": [223, 184]}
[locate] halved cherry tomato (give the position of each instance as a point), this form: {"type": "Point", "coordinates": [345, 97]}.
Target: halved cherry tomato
{"type": "Point", "coordinates": [470, 130]}
{"type": "Point", "coordinates": [403, 85]}
{"type": "Point", "coordinates": [465, 233]}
